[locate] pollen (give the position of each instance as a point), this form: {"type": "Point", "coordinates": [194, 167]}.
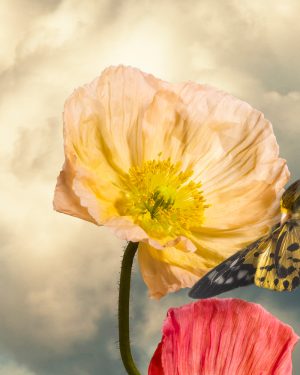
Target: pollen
{"type": "Point", "coordinates": [162, 198]}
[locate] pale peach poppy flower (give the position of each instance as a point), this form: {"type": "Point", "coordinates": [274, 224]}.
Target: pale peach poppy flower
{"type": "Point", "coordinates": [223, 337]}
{"type": "Point", "coordinates": [190, 172]}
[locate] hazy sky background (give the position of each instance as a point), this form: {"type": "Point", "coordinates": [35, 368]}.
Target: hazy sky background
{"type": "Point", "coordinates": [58, 275]}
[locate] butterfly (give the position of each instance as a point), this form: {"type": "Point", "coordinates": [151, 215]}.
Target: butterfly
{"type": "Point", "coordinates": [273, 261]}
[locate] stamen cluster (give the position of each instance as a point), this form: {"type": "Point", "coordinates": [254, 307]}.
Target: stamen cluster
{"type": "Point", "coordinates": [162, 198]}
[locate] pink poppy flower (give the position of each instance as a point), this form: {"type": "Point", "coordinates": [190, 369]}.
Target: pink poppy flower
{"type": "Point", "coordinates": [223, 337]}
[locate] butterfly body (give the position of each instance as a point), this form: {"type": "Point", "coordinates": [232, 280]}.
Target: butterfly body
{"type": "Point", "coordinates": [273, 261]}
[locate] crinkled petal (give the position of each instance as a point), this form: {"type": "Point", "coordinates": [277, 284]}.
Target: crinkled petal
{"type": "Point", "coordinates": [164, 127]}
{"type": "Point", "coordinates": [103, 118]}
{"type": "Point", "coordinates": [234, 153]}
{"type": "Point", "coordinates": [126, 229]}
{"type": "Point", "coordinates": [103, 138]}
{"type": "Point", "coordinates": [223, 337]}
{"type": "Point", "coordinates": [65, 200]}
{"type": "Point", "coordinates": [170, 269]}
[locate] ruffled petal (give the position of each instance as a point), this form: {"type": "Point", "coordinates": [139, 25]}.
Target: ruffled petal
{"type": "Point", "coordinates": [164, 127]}
{"type": "Point", "coordinates": [170, 269]}
{"type": "Point", "coordinates": [65, 200]}
{"type": "Point", "coordinates": [103, 118]}
{"type": "Point", "coordinates": [103, 138]}
{"type": "Point", "coordinates": [234, 153]}
{"type": "Point", "coordinates": [232, 226]}
{"type": "Point", "coordinates": [223, 337]}
{"type": "Point", "coordinates": [126, 229]}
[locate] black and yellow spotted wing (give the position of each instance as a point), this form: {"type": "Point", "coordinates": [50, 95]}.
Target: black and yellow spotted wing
{"type": "Point", "coordinates": [272, 262]}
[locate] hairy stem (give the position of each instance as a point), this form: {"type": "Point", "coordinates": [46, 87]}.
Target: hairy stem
{"type": "Point", "coordinates": [123, 313]}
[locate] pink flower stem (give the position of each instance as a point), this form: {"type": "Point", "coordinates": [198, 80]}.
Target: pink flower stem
{"type": "Point", "coordinates": [123, 313]}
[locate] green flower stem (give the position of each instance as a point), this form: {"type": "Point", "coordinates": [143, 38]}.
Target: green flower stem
{"type": "Point", "coordinates": [124, 295]}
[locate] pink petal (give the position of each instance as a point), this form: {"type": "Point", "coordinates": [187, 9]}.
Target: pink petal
{"type": "Point", "coordinates": [223, 337]}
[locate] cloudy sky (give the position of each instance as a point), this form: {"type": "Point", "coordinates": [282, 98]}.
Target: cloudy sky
{"type": "Point", "coordinates": [58, 275]}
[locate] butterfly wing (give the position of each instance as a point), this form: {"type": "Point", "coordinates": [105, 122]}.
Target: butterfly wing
{"type": "Point", "coordinates": [278, 267]}
{"type": "Point", "coordinates": [236, 271]}
{"type": "Point", "coordinates": [272, 262]}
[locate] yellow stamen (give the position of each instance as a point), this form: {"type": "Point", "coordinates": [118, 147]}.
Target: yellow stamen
{"type": "Point", "coordinates": [162, 199]}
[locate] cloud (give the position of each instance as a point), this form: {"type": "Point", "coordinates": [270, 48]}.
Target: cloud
{"type": "Point", "coordinates": [59, 275]}
{"type": "Point", "coordinates": [14, 370]}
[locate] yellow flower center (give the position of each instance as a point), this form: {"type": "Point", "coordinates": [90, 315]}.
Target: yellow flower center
{"type": "Point", "coordinates": [160, 197]}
